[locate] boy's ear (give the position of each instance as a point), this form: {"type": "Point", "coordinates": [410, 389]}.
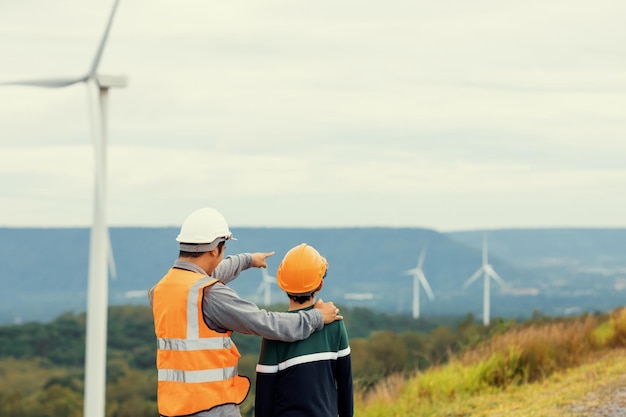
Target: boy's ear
{"type": "Point", "coordinates": [318, 289]}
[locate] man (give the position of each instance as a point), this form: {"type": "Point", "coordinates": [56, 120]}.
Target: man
{"type": "Point", "coordinates": [311, 377]}
{"type": "Point", "coordinates": [195, 314]}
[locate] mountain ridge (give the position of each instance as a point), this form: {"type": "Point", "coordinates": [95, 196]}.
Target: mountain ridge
{"type": "Point", "coordinates": [555, 271]}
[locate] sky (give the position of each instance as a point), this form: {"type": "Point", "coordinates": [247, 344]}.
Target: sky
{"type": "Point", "coordinates": [449, 115]}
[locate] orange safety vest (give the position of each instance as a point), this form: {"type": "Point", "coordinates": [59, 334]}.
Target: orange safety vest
{"type": "Point", "coordinates": [197, 367]}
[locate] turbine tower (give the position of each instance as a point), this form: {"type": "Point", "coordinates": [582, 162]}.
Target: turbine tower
{"type": "Point", "coordinates": [100, 253]}
{"type": "Point", "coordinates": [266, 287]}
{"type": "Point", "coordinates": [419, 279]}
{"type": "Point", "coordinates": [488, 273]}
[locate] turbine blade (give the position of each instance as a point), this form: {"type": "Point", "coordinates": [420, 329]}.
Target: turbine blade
{"type": "Point", "coordinates": [485, 250]}
{"type": "Point", "coordinates": [96, 60]}
{"type": "Point", "coordinates": [473, 277]}
{"type": "Point", "coordinates": [47, 83]}
{"type": "Point", "coordinates": [420, 260]}
{"type": "Point", "coordinates": [266, 276]}
{"type": "Point", "coordinates": [493, 274]}
{"type": "Point", "coordinates": [426, 285]}
{"type": "Point", "coordinates": [259, 289]}
{"type": "Point", "coordinates": [110, 257]}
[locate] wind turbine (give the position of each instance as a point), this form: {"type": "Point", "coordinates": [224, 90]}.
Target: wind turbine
{"type": "Point", "coordinates": [100, 253]}
{"type": "Point", "coordinates": [419, 278]}
{"type": "Point", "coordinates": [266, 287]}
{"type": "Point", "coordinates": [487, 272]}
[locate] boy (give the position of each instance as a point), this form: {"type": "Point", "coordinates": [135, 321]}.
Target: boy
{"type": "Point", "coordinates": [311, 377]}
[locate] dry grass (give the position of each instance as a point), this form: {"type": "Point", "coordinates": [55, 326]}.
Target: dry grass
{"type": "Point", "coordinates": [531, 353]}
{"type": "Point", "coordinates": [567, 368]}
{"type": "Point", "coordinates": [580, 391]}
{"type": "Point", "coordinates": [385, 392]}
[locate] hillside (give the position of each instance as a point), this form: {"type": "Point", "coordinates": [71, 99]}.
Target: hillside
{"type": "Point", "coordinates": [595, 389]}
{"type": "Point", "coordinates": [554, 271]}
{"type": "Point", "coordinates": [563, 367]}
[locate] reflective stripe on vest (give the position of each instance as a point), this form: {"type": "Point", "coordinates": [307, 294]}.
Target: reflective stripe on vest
{"type": "Point", "coordinates": [200, 344]}
{"type": "Point", "coordinates": [193, 328]}
{"type": "Point", "coordinates": [212, 375]}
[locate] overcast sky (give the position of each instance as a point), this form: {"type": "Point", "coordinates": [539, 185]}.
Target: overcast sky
{"type": "Point", "coordinates": [449, 115]}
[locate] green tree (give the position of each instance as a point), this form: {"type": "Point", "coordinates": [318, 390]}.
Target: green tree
{"type": "Point", "coordinates": [441, 342]}
{"type": "Point", "coordinates": [57, 400]}
{"type": "Point", "coordinates": [417, 357]}
{"type": "Point", "coordinates": [12, 403]}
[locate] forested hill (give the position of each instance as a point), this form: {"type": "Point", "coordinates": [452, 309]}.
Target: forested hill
{"type": "Point", "coordinates": [556, 271]}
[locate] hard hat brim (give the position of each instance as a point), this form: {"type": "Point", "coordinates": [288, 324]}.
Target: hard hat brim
{"type": "Point", "coordinates": [203, 247]}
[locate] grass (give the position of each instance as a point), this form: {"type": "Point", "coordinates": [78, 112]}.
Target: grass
{"type": "Point", "coordinates": [558, 395]}
{"type": "Point", "coordinates": [567, 368]}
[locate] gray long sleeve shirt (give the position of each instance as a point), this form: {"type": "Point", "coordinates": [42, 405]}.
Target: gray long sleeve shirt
{"type": "Point", "coordinates": [224, 310]}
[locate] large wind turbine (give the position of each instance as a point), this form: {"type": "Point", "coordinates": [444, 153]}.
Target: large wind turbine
{"type": "Point", "coordinates": [419, 278]}
{"type": "Point", "coordinates": [266, 287]}
{"type": "Point", "coordinates": [100, 253]}
{"type": "Point", "coordinates": [487, 272]}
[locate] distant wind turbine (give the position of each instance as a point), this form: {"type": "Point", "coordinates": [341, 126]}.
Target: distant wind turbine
{"type": "Point", "coordinates": [487, 272]}
{"type": "Point", "coordinates": [265, 287]}
{"type": "Point", "coordinates": [419, 278]}
{"type": "Point", "coordinates": [100, 253]}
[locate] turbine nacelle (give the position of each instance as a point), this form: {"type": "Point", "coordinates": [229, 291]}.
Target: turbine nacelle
{"type": "Point", "coordinates": [412, 271]}
{"type": "Point", "coordinates": [111, 81]}
{"type": "Point", "coordinates": [493, 274]}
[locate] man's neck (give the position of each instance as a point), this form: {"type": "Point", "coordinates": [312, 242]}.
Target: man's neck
{"type": "Point", "coordinates": [297, 306]}
{"type": "Point", "coordinates": [203, 262]}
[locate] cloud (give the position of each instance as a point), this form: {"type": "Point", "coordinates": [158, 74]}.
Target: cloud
{"type": "Point", "coordinates": [449, 114]}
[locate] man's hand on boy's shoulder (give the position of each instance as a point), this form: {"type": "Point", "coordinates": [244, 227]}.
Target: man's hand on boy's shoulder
{"type": "Point", "coordinates": [329, 311]}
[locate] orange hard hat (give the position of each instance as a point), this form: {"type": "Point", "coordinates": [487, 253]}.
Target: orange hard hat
{"type": "Point", "coordinates": [301, 270]}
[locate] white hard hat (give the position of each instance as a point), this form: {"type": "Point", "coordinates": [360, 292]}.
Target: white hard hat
{"type": "Point", "coordinates": [203, 229]}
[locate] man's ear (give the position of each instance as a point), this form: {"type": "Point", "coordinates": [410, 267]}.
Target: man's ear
{"type": "Point", "coordinates": [213, 253]}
